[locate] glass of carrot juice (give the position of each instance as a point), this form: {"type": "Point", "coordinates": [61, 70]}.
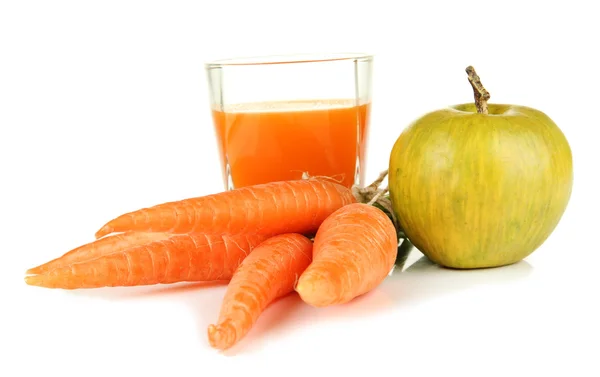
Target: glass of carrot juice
{"type": "Point", "coordinates": [278, 117]}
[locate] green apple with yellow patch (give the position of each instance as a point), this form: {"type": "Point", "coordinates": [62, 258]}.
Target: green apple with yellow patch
{"type": "Point", "coordinates": [480, 185]}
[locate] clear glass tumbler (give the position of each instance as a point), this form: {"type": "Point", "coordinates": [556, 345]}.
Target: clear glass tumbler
{"type": "Point", "coordinates": [277, 117]}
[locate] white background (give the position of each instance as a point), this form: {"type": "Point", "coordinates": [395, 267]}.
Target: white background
{"type": "Point", "coordinates": [104, 109]}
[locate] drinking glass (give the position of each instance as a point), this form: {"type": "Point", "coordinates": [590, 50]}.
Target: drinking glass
{"type": "Point", "coordinates": [278, 117]}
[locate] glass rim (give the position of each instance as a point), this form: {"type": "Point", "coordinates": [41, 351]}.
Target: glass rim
{"type": "Point", "coordinates": [297, 58]}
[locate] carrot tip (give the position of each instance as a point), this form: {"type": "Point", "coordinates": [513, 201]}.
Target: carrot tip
{"type": "Point", "coordinates": [221, 336]}
{"type": "Point", "coordinates": [35, 280]}
{"type": "Point", "coordinates": [105, 230]}
{"type": "Point", "coordinates": [34, 270]}
{"type": "Point", "coordinates": [316, 292]}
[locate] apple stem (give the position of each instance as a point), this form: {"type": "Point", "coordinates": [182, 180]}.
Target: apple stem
{"type": "Point", "coordinates": [481, 94]}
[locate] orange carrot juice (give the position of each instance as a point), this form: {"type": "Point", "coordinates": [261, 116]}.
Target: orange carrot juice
{"type": "Point", "coordinates": [266, 142]}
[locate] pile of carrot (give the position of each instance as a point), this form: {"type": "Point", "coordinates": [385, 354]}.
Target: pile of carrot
{"type": "Point", "coordinates": [311, 236]}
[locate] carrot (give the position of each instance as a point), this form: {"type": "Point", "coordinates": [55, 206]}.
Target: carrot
{"type": "Point", "coordinates": [98, 248]}
{"type": "Point", "coordinates": [268, 273]}
{"type": "Point", "coordinates": [188, 257]}
{"type": "Point", "coordinates": [272, 208]}
{"type": "Point", "coordinates": [354, 250]}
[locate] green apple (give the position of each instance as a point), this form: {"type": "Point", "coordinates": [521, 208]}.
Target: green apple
{"type": "Point", "coordinates": [477, 185]}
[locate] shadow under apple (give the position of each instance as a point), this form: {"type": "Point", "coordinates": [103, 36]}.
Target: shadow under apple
{"type": "Point", "coordinates": [424, 280]}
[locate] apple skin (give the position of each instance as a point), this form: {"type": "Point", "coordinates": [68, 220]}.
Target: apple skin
{"type": "Point", "coordinates": [475, 190]}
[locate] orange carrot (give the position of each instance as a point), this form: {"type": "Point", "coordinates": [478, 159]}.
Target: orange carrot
{"type": "Point", "coordinates": [268, 273]}
{"type": "Point", "coordinates": [98, 248]}
{"type": "Point", "coordinates": [179, 258]}
{"type": "Point", "coordinates": [354, 250]}
{"type": "Point", "coordinates": [272, 208]}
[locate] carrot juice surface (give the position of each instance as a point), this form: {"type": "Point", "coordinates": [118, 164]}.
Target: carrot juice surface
{"type": "Point", "coordinates": [274, 141]}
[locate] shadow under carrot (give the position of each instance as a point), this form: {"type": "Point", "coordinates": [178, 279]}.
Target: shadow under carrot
{"type": "Point", "coordinates": [140, 292]}
{"type": "Point", "coordinates": [411, 284]}
{"type": "Point", "coordinates": [278, 318]}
